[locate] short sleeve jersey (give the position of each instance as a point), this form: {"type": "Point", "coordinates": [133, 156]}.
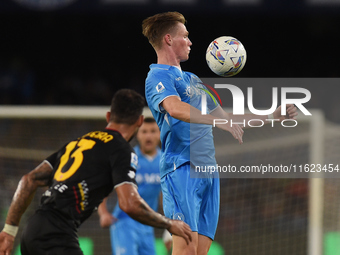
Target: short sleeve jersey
{"type": "Point", "coordinates": [85, 172]}
{"type": "Point", "coordinates": [148, 181]}
{"type": "Point", "coordinates": [181, 141]}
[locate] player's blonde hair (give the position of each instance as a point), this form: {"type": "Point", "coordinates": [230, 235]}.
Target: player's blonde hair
{"type": "Point", "coordinates": [156, 26]}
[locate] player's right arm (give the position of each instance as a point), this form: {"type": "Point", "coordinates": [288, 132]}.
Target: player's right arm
{"type": "Point", "coordinates": [135, 206]}
{"type": "Point", "coordinates": [40, 176]}
{"type": "Point", "coordinates": [167, 99]}
{"type": "Point", "coordinates": [185, 112]}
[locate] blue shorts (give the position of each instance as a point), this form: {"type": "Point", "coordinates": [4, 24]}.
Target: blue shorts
{"type": "Point", "coordinates": [132, 238]}
{"type": "Point", "coordinates": [196, 201]}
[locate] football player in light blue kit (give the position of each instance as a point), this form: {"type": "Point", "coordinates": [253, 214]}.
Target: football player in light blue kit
{"type": "Point", "coordinates": [174, 97]}
{"type": "Point", "coordinates": [139, 239]}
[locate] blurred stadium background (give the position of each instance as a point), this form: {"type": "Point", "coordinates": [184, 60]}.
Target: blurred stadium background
{"type": "Point", "coordinates": [79, 52]}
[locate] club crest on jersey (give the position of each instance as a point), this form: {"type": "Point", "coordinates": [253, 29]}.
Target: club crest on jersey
{"type": "Point", "coordinates": [134, 160]}
{"type": "Point", "coordinates": [178, 216]}
{"type": "Point", "coordinates": [160, 87]}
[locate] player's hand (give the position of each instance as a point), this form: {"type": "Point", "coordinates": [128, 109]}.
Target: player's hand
{"type": "Point", "coordinates": [106, 220]}
{"type": "Point", "coordinates": [291, 113]}
{"type": "Point", "coordinates": [6, 243]}
{"type": "Point", "coordinates": [235, 130]}
{"type": "Point", "coordinates": [180, 228]}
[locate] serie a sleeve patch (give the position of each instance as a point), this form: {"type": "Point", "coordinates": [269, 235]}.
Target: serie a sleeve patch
{"type": "Point", "coordinates": [134, 160]}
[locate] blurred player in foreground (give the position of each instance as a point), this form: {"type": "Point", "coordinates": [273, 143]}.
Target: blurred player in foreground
{"type": "Point", "coordinates": [140, 238]}
{"type": "Point", "coordinates": [174, 97]}
{"type": "Point", "coordinates": [80, 175]}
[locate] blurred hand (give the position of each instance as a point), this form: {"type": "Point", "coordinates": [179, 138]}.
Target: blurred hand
{"type": "Point", "coordinates": [180, 228]}
{"type": "Point", "coordinates": [106, 220]}
{"type": "Point", "coordinates": [6, 243]}
{"type": "Point", "coordinates": [291, 113]}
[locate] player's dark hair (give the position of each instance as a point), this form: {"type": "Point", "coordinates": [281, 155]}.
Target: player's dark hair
{"type": "Point", "coordinates": [149, 120]}
{"type": "Point", "coordinates": [156, 26]}
{"type": "Point", "coordinates": [126, 106]}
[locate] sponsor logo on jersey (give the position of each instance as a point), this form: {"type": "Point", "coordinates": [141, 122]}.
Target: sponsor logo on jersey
{"type": "Point", "coordinates": [47, 193]}
{"type": "Point", "coordinates": [193, 90]}
{"type": "Point", "coordinates": [149, 178]}
{"type": "Point", "coordinates": [61, 187]}
{"type": "Point", "coordinates": [131, 174]}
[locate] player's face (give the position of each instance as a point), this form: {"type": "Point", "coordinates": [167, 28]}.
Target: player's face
{"type": "Point", "coordinates": [148, 137]}
{"type": "Point", "coordinates": [181, 42]}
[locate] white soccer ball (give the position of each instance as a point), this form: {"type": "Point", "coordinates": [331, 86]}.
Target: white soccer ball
{"type": "Point", "coordinates": [226, 56]}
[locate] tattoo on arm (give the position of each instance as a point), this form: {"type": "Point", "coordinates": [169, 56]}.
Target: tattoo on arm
{"type": "Point", "coordinates": [147, 216]}
{"type": "Point", "coordinates": [40, 176]}
{"type": "Point", "coordinates": [135, 206]}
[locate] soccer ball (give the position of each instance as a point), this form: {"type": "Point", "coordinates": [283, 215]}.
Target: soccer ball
{"type": "Point", "coordinates": [226, 56]}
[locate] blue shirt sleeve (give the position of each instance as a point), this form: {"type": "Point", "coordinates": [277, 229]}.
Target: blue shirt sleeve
{"type": "Point", "coordinates": [158, 86]}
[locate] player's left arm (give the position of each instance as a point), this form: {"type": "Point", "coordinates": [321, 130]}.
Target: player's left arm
{"type": "Point", "coordinates": [39, 177]}
{"type": "Point", "coordinates": [291, 113]}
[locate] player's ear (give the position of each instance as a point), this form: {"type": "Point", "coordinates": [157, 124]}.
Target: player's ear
{"type": "Point", "coordinates": [168, 39]}
{"type": "Point", "coordinates": [108, 115]}
{"type": "Point", "coordinates": [140, 120]}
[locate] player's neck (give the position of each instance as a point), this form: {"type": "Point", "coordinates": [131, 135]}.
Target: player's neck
{"type": "Point", "coordinates": [165, 58]}
{"type": "Point", "coordinates": [127, 131]}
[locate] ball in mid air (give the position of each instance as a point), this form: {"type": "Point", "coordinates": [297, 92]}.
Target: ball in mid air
{"type": "Point", "coordinates": [226, 56]}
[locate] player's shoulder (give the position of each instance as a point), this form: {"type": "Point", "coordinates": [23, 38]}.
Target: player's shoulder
{"type": "Point", "coordinates": [190, 74]}
{"type": "Point", "coordinates": [125, 147]}
{"type": "Point", "coordinates": [154, 68]}
{"type": "Point", "coordinates": [119, 142]}
{"type": "Point", "coordinates": [160, 71]}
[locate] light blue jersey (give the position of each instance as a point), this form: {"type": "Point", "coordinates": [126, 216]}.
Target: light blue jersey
{"type": "Point", "coordinates": [127, 235]}
{"type": "Point", "coordinates": [181, 142]}
{"type": "Point", "coordinates": [192, 200]}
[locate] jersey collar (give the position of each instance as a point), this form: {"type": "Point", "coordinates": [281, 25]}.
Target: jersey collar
{"type": "Point", "coordinates": [113, 130]}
